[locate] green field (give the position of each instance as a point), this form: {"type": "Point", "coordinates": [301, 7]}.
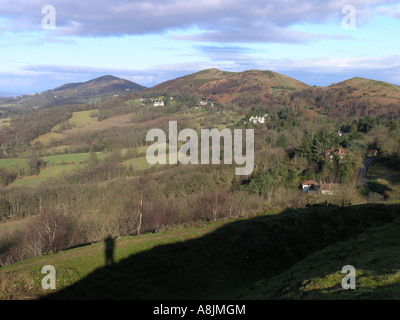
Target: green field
{"type": "Point", "coordinates": [56, 166]}
{"type": "Point", "coordinates": [49, 137]}
{"type": "Point", "coordinates": [11, 164]}
{"type": "Point", "coordinates": [70, 158]}
{"type": "Point", "coordinates": [83, 118]}
{"type": "Point", "coordinates": [79, 119]}
{"type": "Point", "coordinates": [44, 175]}
{"type": "Point", "coordinates": [139, 163]}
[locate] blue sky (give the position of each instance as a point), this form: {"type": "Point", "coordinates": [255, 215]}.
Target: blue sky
{"type": "Point", "coordinates": [153, 41]}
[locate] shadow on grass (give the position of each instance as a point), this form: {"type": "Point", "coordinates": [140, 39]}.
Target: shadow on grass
{"type": "Point", "coordinates": [378, 187]}
{"type": "Point", "coordinates": [375, 255]}
{"type": "Point", "coordinates": [221, 264]}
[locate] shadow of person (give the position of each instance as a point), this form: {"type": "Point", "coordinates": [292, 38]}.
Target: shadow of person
{"type": "Point", "coordinates": [109, 251]}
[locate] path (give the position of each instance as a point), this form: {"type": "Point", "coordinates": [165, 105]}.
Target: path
{"type": "Point", "coordinates": [363, 173]}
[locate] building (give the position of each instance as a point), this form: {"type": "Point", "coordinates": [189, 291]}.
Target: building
{"type": "Point", "coordinates": [159, 103]}
{"type": "Point", "coordinates": [340, 153]}
{"type": "Point", "coordinates": [256, 120]}
{"type": "Point", "coordinates": [310, 185]}
{"type": "Point", "coordinates": [328, 188]}
{"type": "Point", "coordinates": [324, 188]}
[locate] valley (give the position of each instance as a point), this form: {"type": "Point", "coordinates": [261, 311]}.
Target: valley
{"type": "Point", "coordinates": [74, 172]}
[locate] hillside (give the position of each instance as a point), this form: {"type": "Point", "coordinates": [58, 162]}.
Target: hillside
{"type": "Point", "coordinates": [161, 266]}
{"type": "Point", "coordinates": [371, 88]}
{"type": "Point", "coordinates": [353, 97]}
{"type": "Point", "coordinates": [95, 90]}
{"type": "Point", "coordinates": [79, 173]}
{"type": "Point", "coordinates": [223, 87]}
{"type": "Point", "coordinates": [356, 96]}
{"type": "Point", "coordinates": [374, 254]}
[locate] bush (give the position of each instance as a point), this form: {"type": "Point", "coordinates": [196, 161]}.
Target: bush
{"type": "Point", "coordinates": [50, 231]}
{"type": "Point", "coordinates": [34, 164]}
{"type": "Point", "coordinates": [6, 178]}
{"type": "Point", "coordinates": [4, 209]}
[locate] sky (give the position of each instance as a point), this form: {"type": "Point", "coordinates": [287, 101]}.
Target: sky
{"type": "Point", "coordinates": [47, 43]}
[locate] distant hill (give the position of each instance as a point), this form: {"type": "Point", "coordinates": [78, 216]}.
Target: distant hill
{"type": "Point", "coordinates": [352, 97]}
{"type": "Point", "coordinates": [355, 97]}
{"type": "Point", "coordinates": [377, 91]}
{"type": "Point", "coordinates": [95, 90]}
{"type": "Point", "coordinates": [223, 86]}
{"type": "Point", "coordinates": [251, 89]}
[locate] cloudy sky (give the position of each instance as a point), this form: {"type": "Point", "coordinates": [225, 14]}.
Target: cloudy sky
{"type": "Point", "coordinates": [44, 44]}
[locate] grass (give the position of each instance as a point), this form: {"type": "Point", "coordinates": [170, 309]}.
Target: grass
{"type": "Point", "coordinates": [139, 163]}
{"type": "Point", "coordinates": [375, 254]}
{"type": "Point", "coordinates": [384, 179]}
{"type": "Point", "coordinates": [24, 278]}
{"type": "Point", "coordinates": [78, 120]}
{"type": "Point", "coordinates": [12, 164]}
{"type": "Point", "coordinates": [56, 166]}
{"type": "Point", "coordinates": [83, 118]}
{"type": "Point", "coordinates": [70, 158]}
{"type": "Point", "coordinates": [49, 137]}
{"type": "Point", "coordinates": [44, 175]}
{"type": "Point", "coordinates": [5, 122]}
{"type": "Point", "coordinates": [297, 251]}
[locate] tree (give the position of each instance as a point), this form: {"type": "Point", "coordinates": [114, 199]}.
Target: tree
{"type": "Point", "coordinates": [6, 178]}
{"type": "Point", "coordinates": [93, 160]}
{"type": "Point", "coordinates": [34, 164]}
{"type": "Point", "coordinates": [305, 148]}
{"type": "Point", "coordinates": [282, 141]}
{"type": "Point", "coordinates": [143, 190]}
{"type": "Point", "coordinates": [49, 232]}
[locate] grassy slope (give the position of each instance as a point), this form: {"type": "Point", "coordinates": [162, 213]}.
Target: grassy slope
{"type": "Point", "coordinates": [375, 254]}
{"type": "Point", "coordinates": [23, 280]}
{"type": "Point", "coordinates": [78, 120]}
{"type": "Point", "coordinates": [375, 91]}
{"type": "Point", "coordinates": [83, 118]}
{"type": "Point", "coordinates": [216, 261]}
{"type": "Point", "coordinates": [77, 93]}
{"type": "Point", "coordinates": [383, 179]}
{"type": "Point", "coordinates": [228, 85]}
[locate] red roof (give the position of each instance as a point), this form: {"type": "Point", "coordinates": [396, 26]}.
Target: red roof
{"type": "Point", "coordinates": [309, 182]}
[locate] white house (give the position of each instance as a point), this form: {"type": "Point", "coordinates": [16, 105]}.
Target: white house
{"type": "Point", "coordinates": [309, 185]}
{"type": "Point", "coordinates": [159, 103]}
{"type": "Point", "coordinates": [256, 120]}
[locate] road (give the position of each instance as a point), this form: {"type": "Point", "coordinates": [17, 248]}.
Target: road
{"type": "Point", "coordinates": [363, 173]}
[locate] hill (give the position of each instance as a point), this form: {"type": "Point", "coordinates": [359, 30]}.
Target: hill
{"type": "Point", "coordinates": [223, 87]}
{"type": "Point", "coordinates": [252, 88]}
{"type": "Point", "coordinates": [374, 254]}
{"type": "Point", "coordinates": [353, 97]}
{"type": "Point", "coordinates": [378, 93]}
{"type": "Point", "coordinates": [95, 90]}
{"type": "Point", "coordinates": [162, 265]}
{"type": "Point", "coordinates": [83, 169]}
